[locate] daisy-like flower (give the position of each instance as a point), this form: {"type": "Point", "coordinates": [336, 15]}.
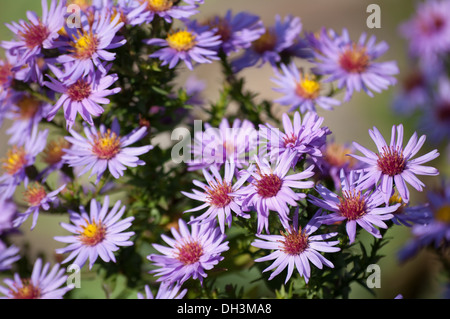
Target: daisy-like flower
{"type": "Point", "coordinates": [25, 112]}
{"type": "Point", "coordinates": [296, 248]}
{"type": "Point", "coordinates": [267, 48]}
{"type": "Point", "coordinates": [352, 64]}
{"type": "Point", "coordinates": [83, 96]}
{"type": "Point", "coordinates": [270, 189]}
{"type": "Point", "coordinates": [144, 11]}
{"type": "Point", "coordinates": [41, 285]}
{"type": "Point", "coordinates": [99, 233]}
{"type": "Point", "coordinates": [165, 291]}
{"type": "Point", "coordinates": [105, 149]}
{"type": "Point", "coordinates": [36, 34]}
{"type": "Point", "coordinates": [354, 206]}
{"type": "Point", "coordinates": [191, 252]}
{"type": "Point", "coordinates": [393, 164]}
{"type": "Point", "coordinates": [301, 90]}
{"type": "Point", "coordinates": [217, 196]}
{"type": "Point", "coordinates": [91, 45]}
{"type": "Point", "coordinates": [8, 256]}
{"type": "Point", "coordinates": [237, 31]}
{"type": "Point", "coordinates": [17, 159]}
{"type": "Point", "coordinates": [409, 215]}
{"type": "Point", "coordinates": [300, 137]}
{"type": "Point", "coordinates": [428, 31]}
{"type": "Point", "coordinates": [186, 45]}
{"type": "Point", "coordinates": [37, 198]}
{"type": "Point", "coordinates": [227, 143]}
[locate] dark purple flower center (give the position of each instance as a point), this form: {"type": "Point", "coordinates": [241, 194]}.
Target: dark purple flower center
{"type": "Point", "coordinates": [190, 253]}
{"type": "Point", "coordinates": [414, 80]}
{"type": "Point", "coordinates": [290, 141]}
{"type": "Point", "coordinates": [354, 59]}
{"type": "Point", "coordinates": [433, 25]}
{"type": "Point", "coordinates": [268, 185]}
{"type": "Point", "coordinates": [352, 205]}
{"type": "Point", "coordinates": [391, 161]}
{"type": "Point", "coordinates": [218, 194]}
{"type": "Point", "coordinates": [295, 242]}
{"type": "Point", "coordinates": [34, 35]}
{"type": "Point", "coordinates": [27, 291]}
{"type": "Point", "coordinates": [265, 43]}
{"type": "Point", "coordinates": [79, 91]}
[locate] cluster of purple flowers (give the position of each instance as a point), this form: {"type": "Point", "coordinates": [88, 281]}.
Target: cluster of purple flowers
{"type": "Point", "coordinates": [262, 173]}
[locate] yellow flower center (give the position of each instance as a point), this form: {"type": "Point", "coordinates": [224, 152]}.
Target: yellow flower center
{"type": "Point", "coordinates": [34, 195]}
{"type": "Point", "coordinates": [93, 233]}
{"type": "Point", "coordinates": [106, 146]}
{"type": "Point", "coordinates": [53, 152]}
{"type": "Point", "coordinates": [158, 5]}
{"type": "Point", "coordinates": [14, 161]}
{"type": "Point", "coordinates": [443, 214]}
{"type": "Point", "coordinates": [181, 41]}
{"type": "Point", "coordinates": [308, 88]}
{"type": "Point", "coordinates": [397, 199]}
{"type": "Point", "coordinates": [85, 45]}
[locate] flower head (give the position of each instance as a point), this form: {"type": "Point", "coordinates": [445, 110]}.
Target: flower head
{"type": "Point", "coordinates": [190, 254]}
{"type": "Point", "coordinates": [352, 64]}
{"type": "Point", "coordinates": [105, 149]}
{"type": "Point", "coordinates": [296, 248]}
{"type": "Point", "coordinates": [99, 233]}
{"type": "Point", "coordinates": [144, 11]}
{"type": "Point", "coordinates": [393, 164]}
{"type": "Point", "coordinates": [41, 285]}
{"type": "Point", "coordinates": [8, 256]}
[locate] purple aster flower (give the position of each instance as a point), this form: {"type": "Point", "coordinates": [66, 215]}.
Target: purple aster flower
{"type": "Point", "coordinates": [8, 256]}
{"type": "Point", "coordinates": [35, 35]}
{"type": "Point", "coordinates": [217, 196]}
{"type": "Point", "coordinates": [394, 164]}
{"type": "Point", "coordinates": [215, 146]}
{"type": "Point", "coordinates": [52, 156]}
{"type": "Point", "coordinates": [271, 189]}
{"type": "Point", "coordinates": [186, 45]}
{"type": "Point", "coordinates": [144, 11]}
{"type": "Point", "coordinates": [268, 46]}
{"type": "Point", "coordinates": [352, 64]}
{"type": "Point", "coordinates": [428, 31]}
{"type": "Point", "coordinates": [99, 233]}
{"type": "Point", "coordinates": [300, 137]}
{"type": "Point", "coordinates": [25, 112]}
{"type": "Point", "coordinates": [165, 291]}
{"type": "Point", "coordinates": [237, 32]}
{"type": "Point", "coordinates": [9, 213]}
{"type": "Point", "coordinates": [83, 96]}
{"type": "Point", "coordinates": [355, 206]}
{"type": "Point", "coordinates": [37, 198]}
{"type": "Point", "coordinates": [91, 45]}
{"type": "Point", "coordinates": [191, 252]}
{"type": "Point", "coordinates": [41, 285]}
{"type": "Point", "coordinates": [18, 158]}
{"type": "Point", "coordinates": [105, 149]}
{"type": "Point", "coordinates": [300, 90]}
{"type": "Point", "coordinates": [413, 94]}
{"type": "Point", "coordinates": [409, 215]}
{"type": "Point", "coordinates": [296, 248]}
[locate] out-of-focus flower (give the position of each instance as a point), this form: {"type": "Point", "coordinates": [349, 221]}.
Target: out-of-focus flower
{"type": "Point", "coordinates": [97, 234]}
{"type": "Point", "coordinates": [144, 11]}
{"type": "Point", "coordinates": [8, 256]}
{"type": "Point", "coordinates": [165, 291]}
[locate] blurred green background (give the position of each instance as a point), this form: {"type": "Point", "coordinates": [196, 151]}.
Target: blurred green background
{"type": "Point", "coordinates": [349, 122]}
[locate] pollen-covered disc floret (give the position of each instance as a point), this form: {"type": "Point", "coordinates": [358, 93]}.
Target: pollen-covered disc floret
{"type": "Point", "coordinates": [191, 252]}
{"type": "Point", "coordinates": [98, 233]}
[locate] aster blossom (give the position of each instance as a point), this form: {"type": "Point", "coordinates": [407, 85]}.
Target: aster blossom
{"type": "Point", "coordinates": [186, 45]}
{"type": "Point", "coordinates": [296, 248]}
{"type": "Point", "coordinates": [98, 233]}
{"type": "Point", "coordinates": [217, 196]}
{"type": "Point", "coordinates": [82, 96]}
{"type": "Point", "coordinates": [144, 11]}
{"type": "Point", "coordinates": [393, 164]}
{"type": "Point", "coordinates": [355, 207]}
{"type": "Point", "coordinates": [8, 256]}
{"type": "Point", "coordinates": [352, 64]}
{"type": "Point", "coordinates": [41, 285]}
{"type": "Point", "coordinates": [270, 189]}
{"type": "Point", "coordinates": [191, 252]}
{"type": "Point", "coordinates": [104, 149]}
{"type": "Point", "coordinates": [301, 90]}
